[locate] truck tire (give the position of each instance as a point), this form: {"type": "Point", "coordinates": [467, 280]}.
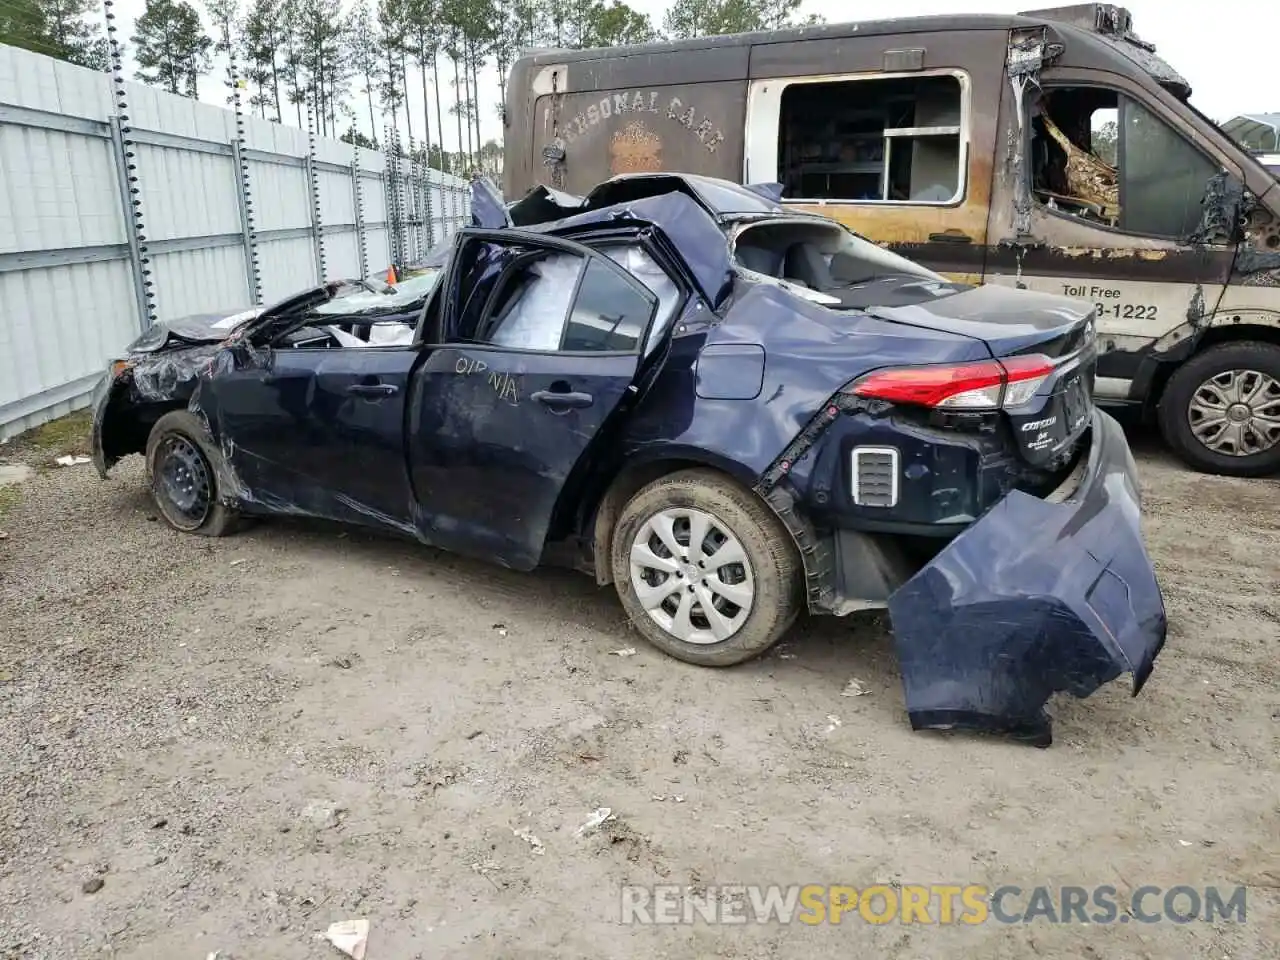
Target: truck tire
{"type": "Point", "coordinates": [182, 471]}
{"type": "Point", "coordinates": [714, 601]}
{"type": "Point", "coordinates": [1220, 411]}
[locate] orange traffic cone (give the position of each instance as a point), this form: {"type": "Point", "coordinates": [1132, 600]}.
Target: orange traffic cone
{"type": "Point", "coordinates": [391, 274]}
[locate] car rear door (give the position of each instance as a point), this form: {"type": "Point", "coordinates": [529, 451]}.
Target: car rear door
{"type": "Point", "coordinates": [537, 343]}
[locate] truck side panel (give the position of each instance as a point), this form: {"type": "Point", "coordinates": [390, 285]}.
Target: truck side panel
{"type": "Point", "coordinates": [947, 236]}
{"type": "Point", "coordinates": [593, 119]}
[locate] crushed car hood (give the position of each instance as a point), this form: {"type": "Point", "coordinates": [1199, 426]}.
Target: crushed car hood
{"type": "Point", "coordinates": [194, 328]}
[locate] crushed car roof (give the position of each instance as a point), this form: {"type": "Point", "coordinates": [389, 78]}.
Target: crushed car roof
{"type": "Point", "coordinates": [689, 210]}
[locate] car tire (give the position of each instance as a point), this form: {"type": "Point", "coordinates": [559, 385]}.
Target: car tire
{"type": "Point", "coordinates": [183, 468]}
{"type": "Point", "coordinates": [1183, 406]}
{"type": "Point", "coordinates": [754, 600]}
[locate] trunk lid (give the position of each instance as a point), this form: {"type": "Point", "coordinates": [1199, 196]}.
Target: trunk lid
{"type": "Point", "coordinates": [1017, 326]}
{"type": "Point", "coordinates": [1010, 322]}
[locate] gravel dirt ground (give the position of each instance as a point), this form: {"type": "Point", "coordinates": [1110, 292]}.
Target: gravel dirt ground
{"type": "Point", "coordinates": [227, 745]}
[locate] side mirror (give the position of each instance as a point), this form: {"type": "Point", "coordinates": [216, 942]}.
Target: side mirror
{"type": "Point", "coordinates": [1224, 212]}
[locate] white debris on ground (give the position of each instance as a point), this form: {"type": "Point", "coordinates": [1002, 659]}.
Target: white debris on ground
{"type": "Point", "coordinates": [600, 815]}
{"type": "Point", "coordinates": [854, 688]}
{"type": "Point", "coordinates": [349, 936]}
{"type": "Point", "coordinates": [529, 838]}
{"type": "Point", "coordinates": [70, 461]}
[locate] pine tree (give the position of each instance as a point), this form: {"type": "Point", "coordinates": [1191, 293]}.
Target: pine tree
{"type": "Point", "coordinates": [77, 40]}
{"type": "Point", "coordinates": [22, 25]}
{"type": "Point", "coordinates": [616, 24]}
{"type": "Point", "coordinates": [56, 28]}
{"type": "Point", "coordinates": [700, 18]}
{"type": "Point", "coordinates": [263, 38]}
{"type": "Point", "coordinates": [366, 58]}
{"type": "Point", "coordinates": [171, 47]}
{"type": "Point", "coordinates": [319, 32]}
{"type": "Point", "coordinates": [291, 64]}
{"type": "Point", "coordinates": [423, 37]}
{"type": "Point", "coordinates": [391, 42]}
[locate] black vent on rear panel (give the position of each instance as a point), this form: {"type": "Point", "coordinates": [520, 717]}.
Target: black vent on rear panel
{"type": "Point", "coordinates": [875, 476]}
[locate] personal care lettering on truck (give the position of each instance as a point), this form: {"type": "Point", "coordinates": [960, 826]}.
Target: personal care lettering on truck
{"type": "Point", "coordinates": [640, 130]}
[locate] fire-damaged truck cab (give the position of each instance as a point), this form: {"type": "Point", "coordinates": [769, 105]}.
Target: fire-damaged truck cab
{"type": "Point", "coordinates": [1051, 150]}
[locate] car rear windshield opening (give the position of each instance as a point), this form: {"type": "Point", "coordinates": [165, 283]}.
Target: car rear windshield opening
{"type": "Point", "coordinates": [820, 256]}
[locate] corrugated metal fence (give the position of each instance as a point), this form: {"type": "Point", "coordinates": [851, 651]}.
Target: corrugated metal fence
{"type": "Point", "coordinates": [77, 281]}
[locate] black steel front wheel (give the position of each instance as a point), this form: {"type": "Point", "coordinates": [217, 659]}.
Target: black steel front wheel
{"type": "Point", "coordinates": [182, 467]}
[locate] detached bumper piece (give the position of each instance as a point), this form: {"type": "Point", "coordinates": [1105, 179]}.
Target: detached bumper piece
{"type": "Point", "coordinates": [1034, 598]}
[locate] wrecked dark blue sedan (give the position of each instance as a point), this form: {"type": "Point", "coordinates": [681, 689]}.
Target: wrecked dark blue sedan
{"type": "Point", "coordinates": [730, 412]}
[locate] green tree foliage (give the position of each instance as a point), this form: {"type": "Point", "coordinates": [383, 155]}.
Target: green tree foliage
{"type": "Point", "coordinates": [171, 47]}
{"type": "Point", "coordinates": [365, 56]}
{"type": "Point", "coordinates": [1105, 141]}
{"type": "Point", "coordinates": [64, 29]}
{"type": "Point", "coordinates": [616, 24]}
{"type": "Point", "coordinates": [393, 39]}
{"type": "Point", "coordinates": [701, 18]}
{"type": "Point", "coordinates": [262, 41]}
{"type": "Point", "coordinates": [354, 136]}
{"type": "Point", "coordinates": [325, 75]}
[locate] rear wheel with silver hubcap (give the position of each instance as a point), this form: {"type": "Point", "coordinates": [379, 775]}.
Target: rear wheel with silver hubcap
{"type": "Point", "coordinates": [705, 570]}
{"type": "Point", "coordinates": [1221, 409]}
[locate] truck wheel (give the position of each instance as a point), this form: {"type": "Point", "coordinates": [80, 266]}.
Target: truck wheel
{"type": "Point", "coordinates": [184, 482]}
{"type": "Point", "coordinates": [1220, 411]}
{"type": "Point", "coordinates": [705, 571]}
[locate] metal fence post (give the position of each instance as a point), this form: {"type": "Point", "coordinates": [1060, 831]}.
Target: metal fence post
{"type": "Point", "coordinates": [430, 214]}
{"type": "Point", "coordinates": [135, 248]}
{"type": "Point", "coordinates": [386, 209]}
{"type": "Point", "coordinates": [357, 204]}
{"type": "Point", "coordinates": [313, 182]}
{"type": "Point", "coordinates": [246, 224]}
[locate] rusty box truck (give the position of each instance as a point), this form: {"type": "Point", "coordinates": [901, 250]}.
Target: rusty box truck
{"type": "Point", "coordinates": [1052, 150]}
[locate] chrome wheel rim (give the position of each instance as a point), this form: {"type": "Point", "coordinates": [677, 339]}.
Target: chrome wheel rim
{"type": "Point", "coordinates": [692, 575]}
{"type": "Point", "coordinates": [1236, 412]}
{"type": "Point", "coordinates": [185, 484]}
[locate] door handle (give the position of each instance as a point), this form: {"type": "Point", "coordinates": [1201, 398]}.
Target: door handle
{"type": "Point", "coordinates": [373, 389]}
{"type": "Point", "coordinates": [950, 236]}
{"type": "Point", "coordinates": [554, 399]}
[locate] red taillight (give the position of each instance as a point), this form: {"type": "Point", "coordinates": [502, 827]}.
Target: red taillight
{"type": "Point", "coordinates": [985, 385]}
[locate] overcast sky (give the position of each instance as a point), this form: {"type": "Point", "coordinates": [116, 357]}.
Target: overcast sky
{"type": "Point", "coordinates": [1226, 49]}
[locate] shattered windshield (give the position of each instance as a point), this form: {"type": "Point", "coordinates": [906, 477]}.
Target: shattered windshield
{"type": "Point", "coordinates": [403, 295]}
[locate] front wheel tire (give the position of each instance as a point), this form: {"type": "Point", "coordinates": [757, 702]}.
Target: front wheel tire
{"type": "Point", "coordinates": [182, 472]}
{"type": "Point", "coordinates": [705, 571]}
{"type": "Point", "coordinates": [1220, 411]}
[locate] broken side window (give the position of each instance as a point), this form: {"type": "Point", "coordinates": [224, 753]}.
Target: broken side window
{"type": "Point", "coordinates": [551, 300]}
{"type": "Point", "coordinates": [1101, 156]}
{"type": "Point", "coordinates": [895, 140]}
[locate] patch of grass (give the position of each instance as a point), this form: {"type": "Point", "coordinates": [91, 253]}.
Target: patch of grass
{"type": "Point", "coordinates": [69, 434]}
{"type": "Point", "coordinates": [41, 446]}
{"type": "Point", "coordinates": [9, 498]}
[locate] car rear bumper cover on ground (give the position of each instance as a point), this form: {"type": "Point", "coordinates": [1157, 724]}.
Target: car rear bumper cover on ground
{"type": "Point", "coordinates": [1034, 598]}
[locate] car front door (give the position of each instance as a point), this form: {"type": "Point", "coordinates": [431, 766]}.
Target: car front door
{"type": "Point", "coordinates": [538, 342]}
{"type": "Point", "coordinates": [319, 431]}
{"type": "Point", "coordinates": [1117, 192]}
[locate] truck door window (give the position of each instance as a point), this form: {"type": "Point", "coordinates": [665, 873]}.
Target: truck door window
{"type": "Point", "coordinates": [1101, 156]}
{"type": "Point", "coordinates": [896, 140]}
